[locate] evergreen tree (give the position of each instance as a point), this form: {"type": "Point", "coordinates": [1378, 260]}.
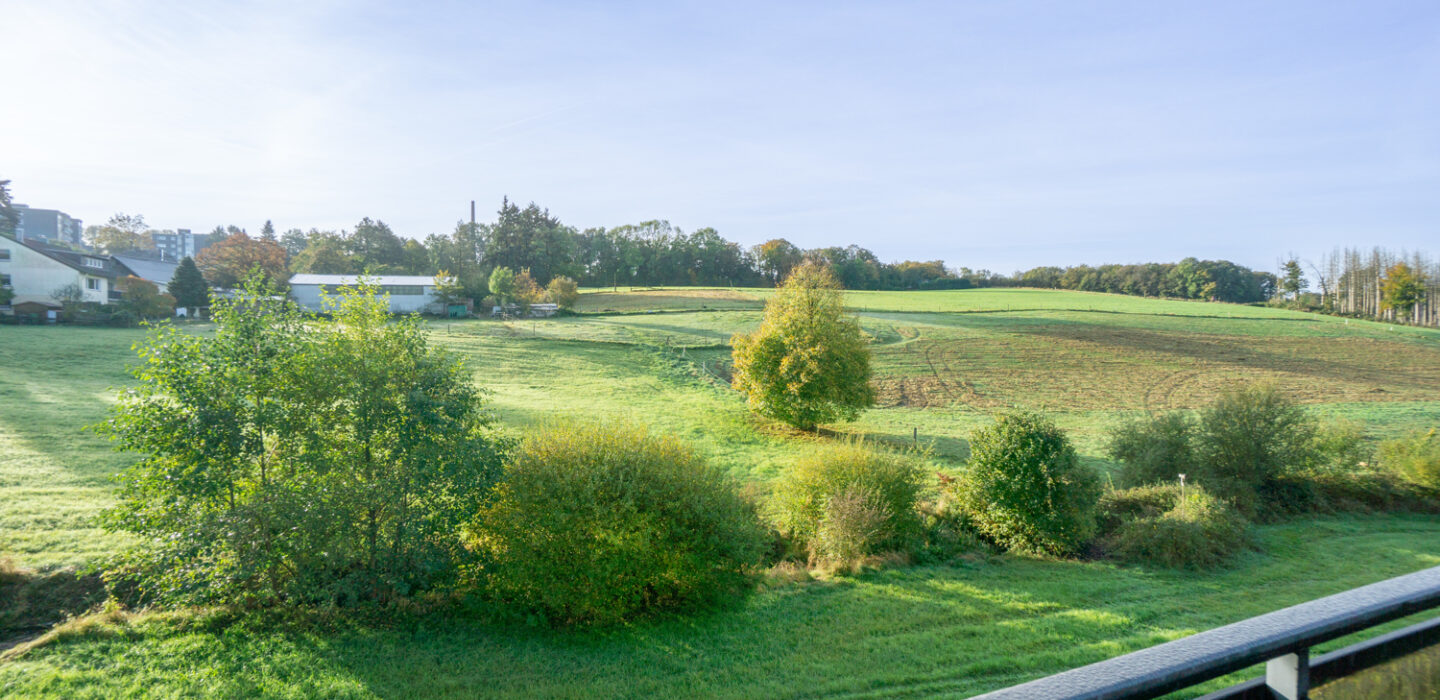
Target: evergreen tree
{"type": "Point", "coordinates": [268, 232]}
{"type": "Point", "coordinates": [1294, 281]}
{"type": "Point", "coordinates": [188, 286]}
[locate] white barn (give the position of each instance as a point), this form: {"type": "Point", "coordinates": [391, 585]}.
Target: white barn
{"type": "Point", "coordinates": [408, 293]}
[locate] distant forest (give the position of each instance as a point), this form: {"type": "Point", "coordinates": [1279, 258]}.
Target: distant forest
{"type": "Point", "coordinates": [655, 253]}
{"type": "Point", "coordinates": [1372, 284]}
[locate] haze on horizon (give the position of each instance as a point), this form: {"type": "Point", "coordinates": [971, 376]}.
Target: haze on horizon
{"type": "Point", "coordinates": [990, 135]}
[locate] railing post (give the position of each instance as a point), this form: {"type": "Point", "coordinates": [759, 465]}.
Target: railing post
{"type": "Point", "coordinates": [1288, 676]}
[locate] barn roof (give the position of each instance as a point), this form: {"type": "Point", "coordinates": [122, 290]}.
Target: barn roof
{"type": "Point", "coordinates": [343, 280]}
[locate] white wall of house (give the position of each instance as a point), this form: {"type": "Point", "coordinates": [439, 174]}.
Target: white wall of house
{"type": "Point", "coordinates": [35, 277]}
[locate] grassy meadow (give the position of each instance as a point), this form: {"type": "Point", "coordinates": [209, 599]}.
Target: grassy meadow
{"type": "Point", "coordinates": [944, 361]}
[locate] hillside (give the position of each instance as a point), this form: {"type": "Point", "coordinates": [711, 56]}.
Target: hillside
{"type": "Point", "coordinates": [944, 362]}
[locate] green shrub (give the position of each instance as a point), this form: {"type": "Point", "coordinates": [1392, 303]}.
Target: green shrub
{"type": "Point", "coordinates": [1120, 506]}
{"type": "Point", "coordinates": [1415, 457]}
{"type": "Point", "coordinates": [1247, 438]}
{"type": "Point", "coordinates": [946, 533]}
{"type": "Point", "coordinates": [291, 459]}
{"type": "Point", "coordinates": [596, 524]}
{"type": "Point", "coordinates": [1340, 447]}
{"type": "Point", "coordinates": [1026, 490]}
{"type": "Point", "coordinates": [1199, 532]}
{"type": "Point", "coordinates": [845, 500]}
{"type": "Point", "coordinates": [1154, 449]}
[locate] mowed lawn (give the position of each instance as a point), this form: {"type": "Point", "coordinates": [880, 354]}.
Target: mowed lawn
{"type": "Point", "coordinates": [944, 362]}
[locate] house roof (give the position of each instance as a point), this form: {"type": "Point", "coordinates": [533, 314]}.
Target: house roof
{"type": "Point", "coordinates": [73, 259]}
{"type": "Point", "coordinates": [343, 280]}
{"type": "Point", "coordinates": [156, 271]}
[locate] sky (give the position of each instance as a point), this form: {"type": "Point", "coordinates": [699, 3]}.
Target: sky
{"type": "Point", "coordinates": [998, 135]}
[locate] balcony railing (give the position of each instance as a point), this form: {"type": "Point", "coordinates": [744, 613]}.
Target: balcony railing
{"type": "Point", "coordinates": [1281, 639]}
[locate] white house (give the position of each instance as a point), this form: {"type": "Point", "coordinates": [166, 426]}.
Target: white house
{"type": "Point", "coordinates": [36, 272]}
{"type": "Point", "coordinates": [408, 293]}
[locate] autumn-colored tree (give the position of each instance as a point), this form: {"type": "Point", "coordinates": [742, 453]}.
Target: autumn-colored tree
{"type": "Point", "coordinates": [808, 363]}
{"type": "Point", "coordinates": [564, 292]}
{"type": "Point", "coordinates": [226, 263]}
{"type": "Point", "coordinates": [143, 298]}
{"type": "Point", "coordinates": [527, 290]}
{"type": "Point", "coordinates": [1401, 289]}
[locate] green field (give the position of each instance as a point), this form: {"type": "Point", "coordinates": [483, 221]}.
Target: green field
{"type": "Point", "coordinates": [944, 362]}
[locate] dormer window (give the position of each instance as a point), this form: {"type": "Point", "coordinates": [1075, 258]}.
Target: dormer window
{"type": "Point", "coordinates": [93, 262]}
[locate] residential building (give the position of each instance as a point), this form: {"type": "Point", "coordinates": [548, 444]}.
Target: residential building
{"type": "Point", "coordinates": [407, 293]}
{"type": "Point", "coordinates": [36, 272]}
{"type": "Point", "coordinates": [48, 225]}
{"type": "Point", "coordinates": [180, 244]}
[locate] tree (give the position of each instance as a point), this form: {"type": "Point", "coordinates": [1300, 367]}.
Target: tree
{"type": "Point", "coordinates": [502, 284]}
{"type": "Point", "coordinates": [527, 291]}
{"type": "Point", "coordinates": [563, 292]}
{"type": "Point", "coordinates": [68, 295]}
{"type": "Point", "coordinates": [776, 258]}
{"type": "Point", "coordinates": [228, 262]}
{"type": "Point", "coordinates": [1294, 280]}
{"type": "Point", "coordinates": [143, 298]}
{"type": "Point", "coordinates": [376, 248]}
{"type": "Point", "coordinates": [267, 232]}
{"type": "Point", "coordinates": [123, 233]}
{"type": "Point", "coordinates": [188, 286]}
{"type": "Point", "coordinates": [808, 362]}
{"type": "Point", "coordinates": [9, 217]}
{"type": "Point", "coordinates": [291, 459]}
{"type": "Point", "coordinates": [448, 290]}
{"type": "Point", "coordinates": [1402, 288]}
{"type": "Point", "coordinates": [325, 253]}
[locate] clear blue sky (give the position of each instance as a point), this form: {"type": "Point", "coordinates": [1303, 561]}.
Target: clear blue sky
{"type": "Point", "coordinates": [987, 134]}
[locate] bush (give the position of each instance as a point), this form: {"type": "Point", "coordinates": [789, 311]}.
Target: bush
{"type": "Point", "coordinates": [1415, 457]}
{"type": "Point", "coordinates": [1026, 490]}
{"type": "Point", "coordinates": [1154, 449]}
{"type": "Point", "coordinates": [1120, 506]}
{"type": "Point", "coordinates": [1199, 532]}
{"type": "Point", "coordinates": [291, 459]}
{"type": "Point", "coordinates": [596, 524]}
{"type": "Point", "coordinates": [1247, 439]}
{"type": "Point", "coordinates": [1340, 447]}
{"type": "Point", "coordinates": [947, 533]}
{"type": "Point", "coordinates": [844, 500]}
{"type": "Point", "coordinates": [564, 292]}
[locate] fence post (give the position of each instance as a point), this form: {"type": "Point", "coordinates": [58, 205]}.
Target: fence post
{"type": "Point", "coordinates": [1288, 676]}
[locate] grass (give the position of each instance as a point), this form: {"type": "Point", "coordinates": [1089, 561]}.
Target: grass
{"type": "Point", "coordinates": [943, 360]}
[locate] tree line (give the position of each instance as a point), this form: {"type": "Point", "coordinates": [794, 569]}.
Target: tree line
{"type": "Point", "coordinates": [1378, 283]}
{"type": "Point", "coordinates": [656, 253]}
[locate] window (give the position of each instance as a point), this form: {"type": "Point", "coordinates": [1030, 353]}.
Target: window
{"type": "Point", "coordinates": [4, 280]}
{"type": "Point", "coordinates": [92, 284]}
{"type": "Point", "coordinates": [4, 253]}
{"type": "Point", "coordinates": [94, 262]}
{"type": "Point", "coordinates": [403, 290]}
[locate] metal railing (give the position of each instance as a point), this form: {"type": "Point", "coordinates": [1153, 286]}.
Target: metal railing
{"type": "Point", "coordinates": [1281, 639]}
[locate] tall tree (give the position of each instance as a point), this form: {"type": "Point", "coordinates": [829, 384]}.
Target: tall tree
{"type": "Point", "coordinates": [267, 232]}
{"type": "Point", "coordinates": [808, 362]}
{"type": "Point", "coordinates": [1293, 282]}
{"type": "Point", "coordinates": [1402, 288]}
{"type": "Point", "coordinates": [9, 217]}
{"type": "Point", "coordinates": [123, 233]}
{"type": "Point", "coordinates": [776, 258]}
{"type": "Point", "coordinates": [188, 286]}
{"type": "Point", "coordinates": [228, 262]}
{"type": "Point", "coordinates": [376, 248]}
